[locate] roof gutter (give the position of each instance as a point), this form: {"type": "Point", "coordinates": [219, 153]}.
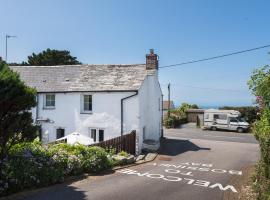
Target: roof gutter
{"type": "Point", "coordinates": [82, 91]}
{"type": "Point", "coordinates": [122, 110]}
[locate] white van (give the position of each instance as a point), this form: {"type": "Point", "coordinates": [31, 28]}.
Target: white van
{"type": "Point", "coordinates": [224, 119]}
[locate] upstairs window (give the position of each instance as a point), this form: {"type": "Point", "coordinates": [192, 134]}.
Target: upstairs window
{"type": "Point", "coordinates": [49, 101]}
{"type": "Point", "coordinates": [86, 103]}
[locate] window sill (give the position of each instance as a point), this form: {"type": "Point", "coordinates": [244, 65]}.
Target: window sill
{"type": "Point", "coordinates": [86, 112]}
{"type": "Point", "coordinates": [48, 108]}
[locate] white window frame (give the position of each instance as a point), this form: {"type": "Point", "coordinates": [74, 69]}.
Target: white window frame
{"type": "Point", "coordinates": [82, 104]}
{"type": "Point", "coordinates": [97, 133]}
{"type": "Point", "coordinates": [90, 134]}
{"type": "Point", "coordinates": [45, 100]}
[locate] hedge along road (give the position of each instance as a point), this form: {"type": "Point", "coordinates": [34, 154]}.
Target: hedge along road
{"type": "Point", "coordinates": [185, 169]}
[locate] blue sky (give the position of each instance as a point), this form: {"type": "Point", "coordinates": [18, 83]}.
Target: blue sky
{"type": "Point", "coordinates": [122, 31]}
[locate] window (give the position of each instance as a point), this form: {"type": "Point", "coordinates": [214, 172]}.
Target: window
{"type": "Point", "coordinates": [101, 135]}
{"type": "Point", "coordinates": [207, 116]}
{"type": "Point", "coordinates": [144, 133]}
{"type": "Point", "coordinates": [49, 101]}
{"type": "Point", "coordinates": [93, 134]}
{"type": "Point", "coordinates": [233, 120]}
{"type": "Point", "coordinates": [86, 103]}
{"type": "Point", "coordinates": [220, 116]}
{"type": "Point", "coordinates": [60, 132]}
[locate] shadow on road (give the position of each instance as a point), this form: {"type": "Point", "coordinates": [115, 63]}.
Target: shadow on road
{"type": "Point", "coordinates": [56, 192]}
{"type": "Point", "coordinates": [59, 191]}
{"type": "Point", "coordinates": [174, 147]}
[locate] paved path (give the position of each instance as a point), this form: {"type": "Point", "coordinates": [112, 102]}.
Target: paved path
{"type": "Point", "coordinates": [195, 169]}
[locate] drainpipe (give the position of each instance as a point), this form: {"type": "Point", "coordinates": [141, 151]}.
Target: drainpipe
{"type": "Point", "coordinates": [162, 116]}
{"type": "Point", "coordinates": [37, 116]}
{"type": "Point", "coordinates": [122, 110]}
{"type": "Point", "coordinates": [37, 109]}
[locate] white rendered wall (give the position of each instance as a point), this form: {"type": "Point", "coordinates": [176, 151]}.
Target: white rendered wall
{"type": "Point", "coordinates": [150, 100]}
{"type": "Point", "coordinates": [106, 114]}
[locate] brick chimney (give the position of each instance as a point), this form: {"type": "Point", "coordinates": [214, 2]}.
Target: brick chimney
{"type": "Point", "coordinates": [151, 60]}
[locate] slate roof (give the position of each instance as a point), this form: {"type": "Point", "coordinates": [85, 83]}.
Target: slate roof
{"type": "Point", "coordinates": [83, 77]}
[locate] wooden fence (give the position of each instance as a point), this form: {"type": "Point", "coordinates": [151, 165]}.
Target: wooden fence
{"type": "Point", "coordinates": [125, 143]}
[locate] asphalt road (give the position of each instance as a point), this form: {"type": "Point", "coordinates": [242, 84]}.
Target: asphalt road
{"type": "Point", "coordinates": [191, 132]}
{"type": "Point", "coordinates": [192, 164]}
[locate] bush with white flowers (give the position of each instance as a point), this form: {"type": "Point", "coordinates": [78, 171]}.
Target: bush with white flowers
{"type": "Point", "coordinates": [30, 165]}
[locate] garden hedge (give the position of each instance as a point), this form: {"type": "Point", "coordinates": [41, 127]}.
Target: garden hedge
{"type": "Point", "coordinates": [30, 165]}
{"type": "Point", "coordinates": [262, 177]}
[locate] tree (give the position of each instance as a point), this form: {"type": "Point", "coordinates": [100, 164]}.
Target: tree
{"type": "Point", "coordinates": [16, 99]}
{"type": "Point", "coordinates": [51, 57]}
{"type": "Point", "coordinates": [23, 63]}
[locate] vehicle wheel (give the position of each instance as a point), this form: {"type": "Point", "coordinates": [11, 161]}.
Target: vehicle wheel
{"type": "Point", "coordinates": [214, 128]}
{"type": "Point", "coordinates": [240, 130]}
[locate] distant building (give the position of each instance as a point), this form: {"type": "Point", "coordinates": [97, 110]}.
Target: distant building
{"type": "Point", "coordinates": [166, 106]}
{"type": "Point", "coordinates": [195, 116]}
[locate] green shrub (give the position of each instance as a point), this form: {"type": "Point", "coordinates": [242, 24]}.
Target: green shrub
{"type": "Point", "coordinates": [96, 159]}
{"type": "Point", "coordinates": [123, 153]}
{"type": "Point", "coordinates": [169, 122]}
{"type": "Point", "coordinates": [173, 121]}
{"type": "Point", "coordinates": [178, 116]}
{"type": "Point", "coordinates": [259, 84]}
{"type": "Point", "coordinates": [262, 134]}
{"type": "Point", "coordinates": [32, 165]}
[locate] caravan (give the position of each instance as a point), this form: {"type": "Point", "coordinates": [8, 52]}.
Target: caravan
{"type": "Point", "coordinates": [224, 119]}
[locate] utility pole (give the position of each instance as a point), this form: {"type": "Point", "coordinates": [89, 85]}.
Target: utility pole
{"type": "Point", "coordinates": [169, 99]}
{"type": "Point", "coordinates": [8, 36]}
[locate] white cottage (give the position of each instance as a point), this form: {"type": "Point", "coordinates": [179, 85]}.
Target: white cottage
{"type": "Point", "coordinates": [98, 101]}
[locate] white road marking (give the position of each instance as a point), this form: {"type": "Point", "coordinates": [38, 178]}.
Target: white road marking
{"type": "Point", "coordinates": [200, 183]}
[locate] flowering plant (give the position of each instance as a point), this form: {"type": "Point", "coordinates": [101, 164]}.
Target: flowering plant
{"type": "Point", "coordinates": [31, 165]}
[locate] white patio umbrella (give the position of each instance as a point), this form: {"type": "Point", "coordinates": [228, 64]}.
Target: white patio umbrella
{"type": "Point", "coordinates": [76, 137]}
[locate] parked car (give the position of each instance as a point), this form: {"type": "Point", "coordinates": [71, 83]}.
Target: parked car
{"type": "Point", "coordinates": [225, 119]}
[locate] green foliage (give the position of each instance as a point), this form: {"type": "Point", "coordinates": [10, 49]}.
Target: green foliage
{"type": "Point", "coordinates": [123, 153]}
{"type": "Point", "coordinates": [173, 121]}
{"type": "Point", "coordinates": [18, 64]}
{"type": "Point", "coordinates": [51, 57]}
{"type": "Point", "coordinates": [178, 116]}
{"type": "Point", "coordinates": [262, 134]}
{"type": "Point", "coordinates": [259, 84]}
{"type": "Point", "coordinates": [31, 165]}
{"type": "Point", "coordinates": [250, 113]}
{"type": "Point", "coordinates": [16, 99]}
